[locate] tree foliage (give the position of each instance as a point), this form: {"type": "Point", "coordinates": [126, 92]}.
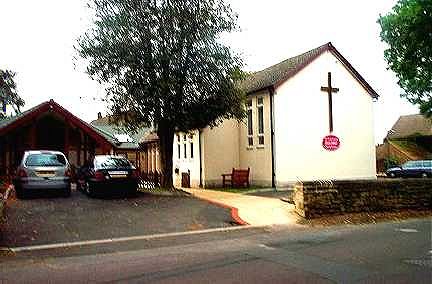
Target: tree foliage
{"type": "Point", "coordinates": [407, 29]}
{"type": "Point", "coordinates": [8, 93]}
{"type": "Point", "coordinates": [163, 62]}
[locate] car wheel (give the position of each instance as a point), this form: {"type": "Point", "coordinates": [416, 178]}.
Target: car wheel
{"type": "Point", "coordinates": [424, 175]}
{"type": "Point", "coordinates": [392, 175]}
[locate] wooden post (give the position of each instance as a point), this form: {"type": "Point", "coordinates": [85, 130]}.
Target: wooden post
{"type": "Point", "coordinates": [66, 141]}
{"type": "Point", "coordinates": [3, 156]}
{"type": "Point", "coordinates": [33, 135]}
{"type": "Point", "coordinates": [79, 148]}
{"type": "Point", "coordinates": [10, 156]}
{"type": "Point", "coordinates": [85, 148]}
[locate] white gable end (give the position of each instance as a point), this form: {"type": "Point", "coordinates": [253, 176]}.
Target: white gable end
{"type": "Point", "coordinates": [301, 113]}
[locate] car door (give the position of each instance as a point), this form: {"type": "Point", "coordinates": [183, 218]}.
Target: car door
{"type": "Point", "coordinates": [408, 169]}
{"type": "Point", "coordinates": [418, 169]}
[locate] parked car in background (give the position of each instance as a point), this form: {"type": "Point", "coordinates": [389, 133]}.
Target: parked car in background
{"type": "Point", "coordinates": [41, 170]}
{"type": "Point", "coordinates": [421, 168]}
{"type": "Point", "coordinates": [105, 173]}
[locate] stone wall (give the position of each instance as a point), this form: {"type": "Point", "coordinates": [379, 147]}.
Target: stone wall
{"type": "Point", "coordinates": [315, 199]}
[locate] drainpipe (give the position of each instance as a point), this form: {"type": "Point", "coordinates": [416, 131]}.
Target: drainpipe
{"type": "Point", "coordinates": [200, 162]}
{"type": "Point", "coordinates": [271, 91]}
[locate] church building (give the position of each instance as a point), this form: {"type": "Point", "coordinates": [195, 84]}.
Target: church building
{"type": "Point", "coordinates": [309, 117]}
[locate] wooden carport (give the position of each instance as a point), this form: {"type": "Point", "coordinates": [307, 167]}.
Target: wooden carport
{"type": "Point", "coordinates": [48, 126]}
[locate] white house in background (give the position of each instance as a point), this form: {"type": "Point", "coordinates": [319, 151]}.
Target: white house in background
{"type": "Point", "coordinates": [294, 129]}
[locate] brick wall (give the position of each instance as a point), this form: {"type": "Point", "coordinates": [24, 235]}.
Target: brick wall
{"type": "Point", "coordinates": [315, 199]}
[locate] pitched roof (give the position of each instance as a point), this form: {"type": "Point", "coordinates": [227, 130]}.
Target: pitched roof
{"type": "Point", "coordinates": [408, 125]}
{"type": "Point", "coordinates": [14, 122]}
{"type": "Point", "coordinates": [112, 132]}
{"type": "Point", "coordinates": [149, 137]}
{"type": "Point", "coordinates": [284, 70]}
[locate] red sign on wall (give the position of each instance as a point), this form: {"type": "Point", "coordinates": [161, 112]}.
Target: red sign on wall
{"type": "Point", "coordinates": [331, 143]}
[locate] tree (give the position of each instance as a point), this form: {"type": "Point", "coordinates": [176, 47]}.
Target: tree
{"type": "Point", "coordinates": [8, 93]}
{"type": "Point", "coordinates": [408, 32]}
{"type": "Point", "coordinates": [162, 62]}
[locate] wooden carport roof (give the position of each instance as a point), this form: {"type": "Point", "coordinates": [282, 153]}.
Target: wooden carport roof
{"type": "Point", "coordinates": [27, 116]}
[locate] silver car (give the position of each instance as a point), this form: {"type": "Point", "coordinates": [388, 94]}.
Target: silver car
{"type": "Point", "coordinates": [43, 170]}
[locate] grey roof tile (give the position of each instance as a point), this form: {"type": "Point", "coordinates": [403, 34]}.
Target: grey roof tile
{"type": "Point", "coordinates": [409, 125]}
{"type": "Point", "coordinates": [284, 70]}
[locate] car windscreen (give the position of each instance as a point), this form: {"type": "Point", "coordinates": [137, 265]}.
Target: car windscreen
{"type": "Point", "coordinates": [47, 160]}
{"type": "Point", "coordinates": [112, 163]}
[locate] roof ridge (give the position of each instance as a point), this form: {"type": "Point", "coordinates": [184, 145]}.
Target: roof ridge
{"type": "Point", "coordinates": [278, 73]}
{"type": "Point", "coordinates": [326, 45]}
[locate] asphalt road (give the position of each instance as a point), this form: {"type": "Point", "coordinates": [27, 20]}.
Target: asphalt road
{"type": "Point", "coordinates": [46, 218]}
{"type": "Point", "coordinates": [377, 253]}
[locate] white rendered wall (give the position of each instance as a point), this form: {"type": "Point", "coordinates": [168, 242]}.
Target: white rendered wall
{"type": "Point", "coordinates": [301, 122]}
{"type": "Point", "coordinates": [189, 164]}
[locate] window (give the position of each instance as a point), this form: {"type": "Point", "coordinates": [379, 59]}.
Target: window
{"type": "Point", "coordinates": [184, 137]}
{"type": "Point", "coordinates": [178, 150]}
{"type": "Point", "coordinates": [110, 162]}
{"type": "Point", "coordinates": [260, 107]}
{"type": "Point", "coordinates": [250, 129]}
{"type": "Point", "coordinates": [409, 165]}
{"type": "Point", "coordinates": [45, 160]}
{"type": "Point", "coordinates": [185, 151]}
{"type": "Point", "coordinates": [191, 150]}
{"type": "Point", "coordinates": [178, 138]}
{"type": "Point", "coordinates": [250, 122]}
{"type": "Point", "coordinates": [260, 101]}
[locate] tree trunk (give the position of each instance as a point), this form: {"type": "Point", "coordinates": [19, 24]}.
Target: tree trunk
{"type": "Point", "coordinates": [166, 139]}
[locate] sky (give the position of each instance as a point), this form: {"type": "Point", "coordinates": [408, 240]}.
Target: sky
{"type": "Point", "coordinates": [38, 37]}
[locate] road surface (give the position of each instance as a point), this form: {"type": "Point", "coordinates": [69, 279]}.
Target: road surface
{"type": "Point", "coordinates": [377, 253]}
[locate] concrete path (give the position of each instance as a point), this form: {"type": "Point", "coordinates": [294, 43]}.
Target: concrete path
{"type": "Point", "coordinates": [254, 210]}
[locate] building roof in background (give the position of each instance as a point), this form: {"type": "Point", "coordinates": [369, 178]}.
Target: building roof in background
{"type": "Point", "coordinates": [276, 74]}
{"type": "Point", "coordinates": [149, 138]}
{"type": "Point", "coordinates": [119, 135]}
{"type": "Point", "coordinates": [410, 125]}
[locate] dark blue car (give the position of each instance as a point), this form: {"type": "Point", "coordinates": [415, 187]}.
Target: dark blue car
{"type": "Point", "coordinates": [421, 168]}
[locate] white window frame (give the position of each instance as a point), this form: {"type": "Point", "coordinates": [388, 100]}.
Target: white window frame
{"type": "Point", "coordinates": [191, 147]}
{"type": "Point", "coordinates": [249, 108]}
{"type": "Point", "coordinates": [260, 134]}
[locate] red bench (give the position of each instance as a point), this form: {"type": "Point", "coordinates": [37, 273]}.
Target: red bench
{"type": "Point", "coordinates": [237, 178]}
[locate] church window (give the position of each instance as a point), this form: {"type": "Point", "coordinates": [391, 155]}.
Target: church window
{"type": "Point", "coordinates": [250, 129]}
{"type": "Point", "coordinates": [178, 146]}
{"type": "Point", "coordinates": [260, 101]}
{"type": "Point", "coordinates": [191, 150]}
{"type": "Point", "coordinates": [250, 123]}
{"type": "Point", "coordinates": [260, 107]}
{"type": "Point", "coordinates": [185, 150]}
{"type": "Point", "coordinates": [178, 150]}
{"type": "Point", "coordinates": [184, 137]}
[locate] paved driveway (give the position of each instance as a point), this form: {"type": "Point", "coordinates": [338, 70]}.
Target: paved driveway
{"type": "Point", "coordinates": [254, 210]}
{"type": "Point", "coordinates": [47, 219]}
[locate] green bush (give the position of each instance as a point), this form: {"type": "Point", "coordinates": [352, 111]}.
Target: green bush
{"type": "Point", "coordinates": [391, 162]}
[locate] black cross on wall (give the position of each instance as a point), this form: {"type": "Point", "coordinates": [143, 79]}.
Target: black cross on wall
{"type": "Point", "coordinates": [330, 90]}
